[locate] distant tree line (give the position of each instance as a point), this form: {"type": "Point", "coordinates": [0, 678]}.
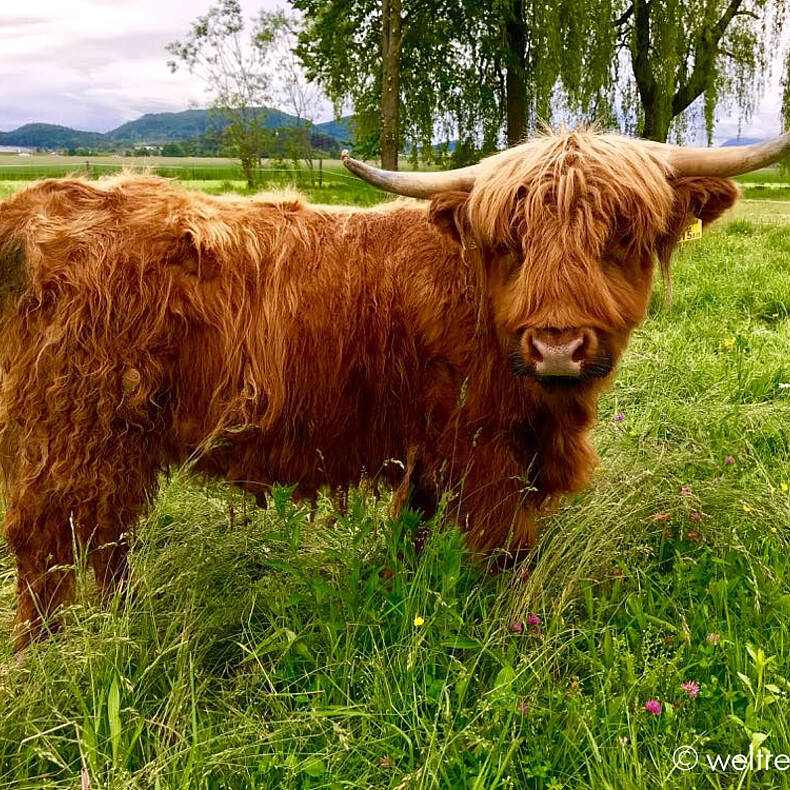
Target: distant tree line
{"type": "Point", "coordinates": [275, 144]}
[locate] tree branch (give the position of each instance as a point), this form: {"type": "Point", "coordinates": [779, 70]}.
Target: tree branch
{"type": "Point", "coordinates": [626, 15]}
{"type": "Point", "coordinates": [705, 51]}
{"type": "Point", "coordinates": [721, 26]}
{"type": "Point", "coordinates": [640, 53]}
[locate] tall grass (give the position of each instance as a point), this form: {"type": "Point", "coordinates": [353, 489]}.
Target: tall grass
{"type": "Point", "coordinates": [285, 649]}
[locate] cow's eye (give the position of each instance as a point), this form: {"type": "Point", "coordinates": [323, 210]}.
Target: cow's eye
{"type": "Point", "coordinates": [508, 257]}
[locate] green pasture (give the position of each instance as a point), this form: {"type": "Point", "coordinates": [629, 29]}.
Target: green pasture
{"type": "Point", "coordinates": [217, 175]}
{"type": "Point", "coordinates": [331, 184]}
{"type": "Point", "coordinates": [281, 648]}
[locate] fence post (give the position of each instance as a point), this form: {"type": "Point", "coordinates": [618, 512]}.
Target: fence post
{"type": "Point", "coordinates": [87, 167]}
{"type": "Point", "coordinates": [320, 173]}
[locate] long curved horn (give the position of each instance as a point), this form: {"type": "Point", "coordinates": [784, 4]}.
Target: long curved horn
{"type": "Point", "coordinates": [730, 161]}
{"type": "Point", "coordinates": [418, 185]}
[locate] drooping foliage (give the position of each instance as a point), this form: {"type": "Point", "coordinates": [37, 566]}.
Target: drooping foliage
{"type": "Point", "coordinates": [461, 65]}
{"type": "Point", "coordinates": [480, 74]}
{"type": "Point", "coordinates": [690, 58]}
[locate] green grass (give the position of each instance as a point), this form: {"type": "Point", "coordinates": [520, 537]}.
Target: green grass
{"type": "Point", "coordinates": [205, 168]}
{"type": "Point", "coordinates": [273, 649]}
{"type": "Point", "coordinates": [770, 183]}
{"type": "Point", "coordinates": [768, 175]}
{"type": "Point", "coordinates": [767, 191]}
{"type": "Point", "coordinates": [337, 186]}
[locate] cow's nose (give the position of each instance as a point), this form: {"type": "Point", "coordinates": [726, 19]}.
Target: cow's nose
{"type": "Point", "coordinates": [558, 359]}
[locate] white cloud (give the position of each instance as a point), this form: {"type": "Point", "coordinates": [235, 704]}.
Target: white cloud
{"type": "Point", "coordinates": [94, 65]}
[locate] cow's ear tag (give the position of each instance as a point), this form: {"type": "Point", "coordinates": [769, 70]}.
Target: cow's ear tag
{"type": "Point", "coordinates": [693, 231]}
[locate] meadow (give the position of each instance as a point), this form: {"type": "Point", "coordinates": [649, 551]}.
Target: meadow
{"type": "Point", "coordinates": [213, 175]}
{"type": "Point", "coordinates": [282, 649]}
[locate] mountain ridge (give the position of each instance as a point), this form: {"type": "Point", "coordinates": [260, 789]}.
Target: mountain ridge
{"type": "Point", "coordinates": [155, 129]}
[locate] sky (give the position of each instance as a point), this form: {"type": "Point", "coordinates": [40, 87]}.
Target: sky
{"type": "Point", "coordinates": [95, 64]}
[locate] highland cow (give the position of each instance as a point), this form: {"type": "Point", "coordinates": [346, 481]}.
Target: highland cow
{"type": "Point", "coordinates": [268, 341]}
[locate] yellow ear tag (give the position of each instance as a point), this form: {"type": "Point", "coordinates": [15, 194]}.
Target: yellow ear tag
{"type": "Point", "coordinates": [693, 231]}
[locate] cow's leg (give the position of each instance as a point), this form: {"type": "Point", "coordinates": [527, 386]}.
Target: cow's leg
{"type": "Point", "coordinates": [497, 504]}
{"type": "Point", "coordinates": [41, 541]}
{"type": "Point", "coordinates": [91, 506]}
{"type": "Point", "coordinates": [109, 562]}
{"type": "Point", "coordinates": [339, 498]}
{"type": "Point", "coordinates": [417, 491]}
{"type": "Point", "coordinates": [122, 490]}
{"type": "Point", "coordinates": [108, 544]}
{"type": "Point", "coordinates": [425, 499]}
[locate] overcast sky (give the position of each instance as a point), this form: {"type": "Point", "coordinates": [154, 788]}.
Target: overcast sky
{"type": "Point", "coordinates": [94, 64]}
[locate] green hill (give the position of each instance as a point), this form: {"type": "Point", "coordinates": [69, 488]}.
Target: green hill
{"type": "Point", "coordinates": [341, 129]}
{"type": "Point", "coordinates": [162, 127]}
{"type": "Point", "coordinates": [154, 129]}
{"type": "Point", "coordinates": [47, 135]}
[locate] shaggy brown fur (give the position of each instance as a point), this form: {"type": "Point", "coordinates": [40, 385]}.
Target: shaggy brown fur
{"type": "Point", "coordinates": [270, 341]}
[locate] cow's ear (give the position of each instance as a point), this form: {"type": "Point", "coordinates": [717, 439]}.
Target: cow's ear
{"type": "Point", "coordinates": [704, 198]}
{"type": "Point", "coordinates": [448, 213]}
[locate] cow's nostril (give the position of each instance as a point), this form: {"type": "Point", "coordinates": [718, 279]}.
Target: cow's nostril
{"type": "Point", "coordinates": [578, 353]}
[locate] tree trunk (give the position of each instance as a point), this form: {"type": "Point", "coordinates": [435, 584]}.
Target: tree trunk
{"type": "Point", "coordinates": [391, 42]}
{"type": "Point", "coordinates": [248, 168]}
{"type": "Point", "coordinates": [656, 110]}
{"type": "Point", "coordinates": [662, 102]}
{"type": "Point", "coordinates": [656, 122]}
{"type": "Point", "coordinates": [515, 78]}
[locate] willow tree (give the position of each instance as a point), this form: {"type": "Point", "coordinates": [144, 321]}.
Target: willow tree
{"type": "Point", "coordinates": [418, 72]}
{"type": "Point", "coordinates": [643, 65]}
{"type": "Point", "coordinates": [557, 60]}
{"type": "Point", "coordinates": [382, 57]}
{"type": "Point", "coordinates": [680, 51]}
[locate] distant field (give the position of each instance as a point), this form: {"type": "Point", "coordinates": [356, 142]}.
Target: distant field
{"type": "Point", "coordinates": [48, 166]}
{"type": "Point", "coordinates": [768, 175]}
{"type": "Point", "coordinates": [215, 176]}
{"type": "Point", "coordinates": [14, 168]}
{"type": "Point", "coordinates": [763, 211]}
{"type": "Point", "coordinates": [218, 175]}
{"type": "Point", "coordinates": [767, 191]}
{"type": "Point", "coordinates": [770, 183]}
{"type": "Point", "coordinates": [44, 160]}
{"type": "Point", "coordinates": [49, 163]}
{"type": "Point", "coordinates": [339, 187]}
